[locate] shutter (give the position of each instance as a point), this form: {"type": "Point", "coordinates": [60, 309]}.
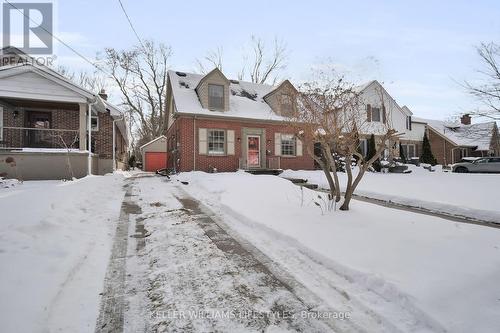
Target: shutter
{"type": "Point", "coordinates": [277, 144]}
{"type": "Point", "coordinates": [299, 147]}
{"type": "Point", "coordinates": [384, 115]}
{"type": "Point", "coordinates": [202, 141]}
{"type": "Point", "coordinates": [368, 112]}
{"type": "Point", "coordinates": [1, 123]}
{"type": "Point", "coordinates": [230, 142]}
{"type": "Point", "coordinates": [409, 122]}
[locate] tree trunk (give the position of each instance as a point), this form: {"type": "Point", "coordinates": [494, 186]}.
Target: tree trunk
{"type": "Point", "coordinates": [328, 156]}
{"type": "Point", "coordinates": [349, 189]}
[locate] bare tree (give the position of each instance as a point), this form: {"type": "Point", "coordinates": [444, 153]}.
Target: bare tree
{"type": "Point", "coordinates": [488, 91]}
{"type": "Point", "coordinates": [94, 82]}
{"type": "Point", "coordinates": [331, 114]}
{"type": "Point", "coordinates": [261, 65]}
{"type": "Point", "coordinates": [265, 67]}
{"type": "Point", "coordinates": [214, 58]}
{"type": "Point", "coordinates": [67, 142]}
{"type": "Point", "coordinates": [141, 76]}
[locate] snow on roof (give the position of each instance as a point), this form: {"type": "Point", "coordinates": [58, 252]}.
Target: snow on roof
{"type": "Point", "coordinates": [475, 135]}
{"type": "Point", "coordinates": [418, 120]}
{"type": "Point", "coordinates": [154, 140]}
{"type": "Point", "coordinates": [245, 99]}
{"type": "Point", "coordinates": [363, 86]}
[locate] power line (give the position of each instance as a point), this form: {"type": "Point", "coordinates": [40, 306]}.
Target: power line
{"type": "Point", "coordinates": [131, 25]}
{"type": "Point", "coordinates": [58, 39]}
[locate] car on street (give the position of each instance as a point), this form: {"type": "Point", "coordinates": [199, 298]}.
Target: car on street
{"type": "Point", "coordinates": [480, 165]}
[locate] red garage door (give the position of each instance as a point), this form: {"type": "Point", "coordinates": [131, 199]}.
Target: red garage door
{"type": "Point", "coordinates": [155, 161]}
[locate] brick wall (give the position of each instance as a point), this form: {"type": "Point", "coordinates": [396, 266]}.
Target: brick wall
{"type": "Point", "coordinates": [104, 136]}
{"type": "Point", "coordinates": [60, 119]}
{"type": "Point", "coordinates": [440, 147]}
{"type": "Point", "coordinates": [181, 134]}
{"type": "Point", "coordinates": [67, 119]}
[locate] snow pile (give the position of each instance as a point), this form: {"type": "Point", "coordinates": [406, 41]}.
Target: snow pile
{"type": "Point", "coordinates": [417, 272]}
{"type": "Point", "coordinates": [467, 195]}
{"type": "Point", "coordinates": [54, 247]}
{"type": "Point", "coordinates": [8, 183]}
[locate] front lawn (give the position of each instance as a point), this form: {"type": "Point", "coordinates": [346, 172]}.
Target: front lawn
{"type": "Point", "coordinates": [469, 195]}
{"type": "Point", "coordinates": [432, 274]}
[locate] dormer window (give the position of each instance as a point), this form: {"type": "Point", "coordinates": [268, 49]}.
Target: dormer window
{"type": "Point", "coordinates": [376, 116]}
{"type": "Point", "coordinates": [215, 97]}
{"type": "Point", "coordinates": [286, 104]}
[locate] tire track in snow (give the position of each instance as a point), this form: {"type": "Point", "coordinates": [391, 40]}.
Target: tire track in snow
{"type": "Point", "coordinates": [111, 313]}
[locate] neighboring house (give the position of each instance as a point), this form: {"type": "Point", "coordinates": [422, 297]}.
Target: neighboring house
{"type": "Point", "coordinates": [383, 112]}
{"type": "Point", "coordinates": [222, 124]}
{"type": "Point", "coordinates": [154, 154]}
{"type": "Point", "coordinates": [43, 124]}
{"type": "Point", "coordinates": [450, 142]}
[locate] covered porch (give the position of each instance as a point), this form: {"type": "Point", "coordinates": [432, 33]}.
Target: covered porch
{"type": "Point", "coordinates": [40, 125]}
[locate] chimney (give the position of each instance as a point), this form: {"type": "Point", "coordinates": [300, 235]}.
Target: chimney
{"type": "Point", "coordinates": [103, 94]}
{"type": "Point", "coordinates": [465, 119]}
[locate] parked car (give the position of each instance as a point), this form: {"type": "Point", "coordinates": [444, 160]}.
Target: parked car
{"type": "Point", "coordinates": [468, 159]}
{"type": "Point", "coordinates": [484, 164]}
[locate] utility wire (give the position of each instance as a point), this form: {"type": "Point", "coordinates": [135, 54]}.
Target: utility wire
{"type": "Point", "coordinates": [131, 24]}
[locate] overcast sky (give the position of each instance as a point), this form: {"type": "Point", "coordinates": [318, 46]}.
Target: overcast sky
{"type": "Point", "coordinates": [418, 49]}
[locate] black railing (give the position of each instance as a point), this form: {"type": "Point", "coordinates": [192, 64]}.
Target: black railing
{"type": "Point", "coordinates": [24, 137]}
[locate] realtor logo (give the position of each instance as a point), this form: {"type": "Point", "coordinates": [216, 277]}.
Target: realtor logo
{"type": "Point", "coordinates": [28, 27]}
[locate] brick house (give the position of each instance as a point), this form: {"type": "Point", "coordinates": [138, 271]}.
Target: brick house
{"type": "Point", "coordinates": [222, 124]}
{"type": "Point", "coordinates": [450, 142]}
{"type": "Point", "coordinates": [44, 120]}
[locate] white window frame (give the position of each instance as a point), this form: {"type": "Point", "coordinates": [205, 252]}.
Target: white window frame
{"type": "Point", "coordinates": [379, 114]}
{"type": "Point", "coordinates": [224, 143]}
{"type": "Point", "coordinates": [288, 137]}
{"type": "Point", "coordinates": [1, 123]}
{"type": "Point", "coordinates": [286, 104]}
{"type": "Point", "coordinates": [96, 127]}
{"type": "Point", "coordinates": [406, 150]}
{"type": "Point", "coordinates": [221, 107]}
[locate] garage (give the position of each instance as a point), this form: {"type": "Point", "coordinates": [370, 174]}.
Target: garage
{"type": "Point", "coordinates": [154, 154]}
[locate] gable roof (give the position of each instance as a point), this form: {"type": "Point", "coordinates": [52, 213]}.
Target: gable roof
{"type": "Point", "coordinates": [279, 87]}
{"type": "Point", "coordinates": [246, 99]}
{"type": "Point", "coordinates": [363, 87]}
{"type": "Point", "coordinates": [473, 136]}
{"type": "Point", "coordinates": [13, 70]}
{"type": "Point", "coordinates": [209, 74]}
{"type": "Point", "coordinates": [152, 141]}
{"type": "Point", "coordinates": [27, 66]}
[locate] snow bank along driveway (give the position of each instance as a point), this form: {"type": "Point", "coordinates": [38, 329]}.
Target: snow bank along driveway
{"type": "Point", "coordinates": [412, 271]}
{"type": "Point", "coordinates": [474, 196]}
{"type": "Point", "coordinates": [54, 248]}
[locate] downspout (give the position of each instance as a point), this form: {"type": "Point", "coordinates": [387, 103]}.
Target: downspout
{"type": "Point", "coordinates": [444, 152]}
{"type": "Point", "coordinates": [89, 130]}
{"type": "Point", "coordinates": [453, 154]}
{"type": "Point", "coordinates": [114, 140]}
{"type": "Point", "coordinates": [194, 143]}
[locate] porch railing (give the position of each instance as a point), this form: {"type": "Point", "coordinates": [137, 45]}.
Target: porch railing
{"type": "Point", "coordinates": [24, 137]}
{"type": "Point", "coordinates": [271, 163]}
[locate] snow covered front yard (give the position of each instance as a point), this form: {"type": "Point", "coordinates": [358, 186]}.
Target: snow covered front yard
{"type": "Point", "coordinates": [413, 272]}
{"type": "Point", "coordinates": [473, 196]}
{"type": "Point", "coordinates": [55, 241]}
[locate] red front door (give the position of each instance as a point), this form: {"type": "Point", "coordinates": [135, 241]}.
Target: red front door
{"type": "Point", "coordinates": [253, 157]}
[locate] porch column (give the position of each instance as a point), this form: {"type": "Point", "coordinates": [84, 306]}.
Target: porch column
{"type": "Point", "coordinates": [83, 126]}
